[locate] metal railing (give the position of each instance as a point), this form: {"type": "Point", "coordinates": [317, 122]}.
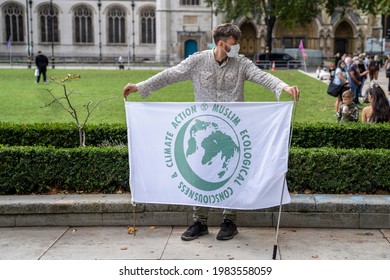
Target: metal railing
{"type": "Point", "coordinates": [279, 64]}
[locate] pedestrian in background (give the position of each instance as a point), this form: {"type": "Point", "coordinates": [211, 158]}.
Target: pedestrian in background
{"type": "Point", "coordinates": [340, 79]}
{"type": "Point", "coordinates": [387, 71]}
{"type": "Point", "coordinates": [41, 62]}
{"type": "Point", "coordinates": [355, 79]}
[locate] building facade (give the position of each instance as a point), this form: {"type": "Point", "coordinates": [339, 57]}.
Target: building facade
{"type": "Point", "coordinates": [159, 30]}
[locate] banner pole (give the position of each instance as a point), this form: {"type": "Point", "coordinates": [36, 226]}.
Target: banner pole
{"type": "Point", "coordinates": [133, 228]}
{"type": "Point", "coordinates": [275, 249]}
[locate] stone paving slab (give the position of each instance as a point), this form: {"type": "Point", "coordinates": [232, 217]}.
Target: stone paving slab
{"type": "Point", "coordinates": [28, 243]}
{"type": "Point", "coordinates": [91, 243]}
{"type": "Point", "coordinates": [333, 244]}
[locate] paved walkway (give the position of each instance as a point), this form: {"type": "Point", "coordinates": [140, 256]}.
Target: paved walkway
{"type": "Point", "coordinates": [164, 243]}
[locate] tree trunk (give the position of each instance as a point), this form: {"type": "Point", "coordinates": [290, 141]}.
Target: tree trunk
{"type": "Point", "coordinates": [82, 136]}
{"type": "Point", "coordinates": [270, 22]}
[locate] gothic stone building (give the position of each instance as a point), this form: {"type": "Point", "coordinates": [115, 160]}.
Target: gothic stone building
{"type": "Point", "coordinates": [158, 30]}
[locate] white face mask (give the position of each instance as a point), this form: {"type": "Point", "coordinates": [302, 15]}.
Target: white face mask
{"type": "Point", "coordinates": [233, 50]}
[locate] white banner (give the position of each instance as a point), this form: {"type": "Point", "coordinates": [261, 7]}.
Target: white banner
{"type": "Point", "coordinates": [224, 155]}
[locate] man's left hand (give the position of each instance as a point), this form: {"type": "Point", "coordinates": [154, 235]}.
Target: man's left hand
{"type": "Point", "coordinates": [293, 91]}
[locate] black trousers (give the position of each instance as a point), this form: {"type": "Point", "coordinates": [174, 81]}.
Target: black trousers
{"type": "Point", "coordinates": [42, 71]}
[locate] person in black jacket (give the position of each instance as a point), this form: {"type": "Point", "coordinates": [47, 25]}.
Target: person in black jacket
{"type": "Point", "coordinates": [41, 62]}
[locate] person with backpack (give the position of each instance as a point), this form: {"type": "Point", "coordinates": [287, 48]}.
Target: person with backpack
{"type": "Point", "coordinates": [340, 79]}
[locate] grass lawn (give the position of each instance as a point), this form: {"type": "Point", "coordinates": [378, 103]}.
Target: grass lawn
{"type": "Point", "coordinates": [22, 101]}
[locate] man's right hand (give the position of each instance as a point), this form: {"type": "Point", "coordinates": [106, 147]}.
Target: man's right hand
{"type": "Point", "coordinates": [129, 88]}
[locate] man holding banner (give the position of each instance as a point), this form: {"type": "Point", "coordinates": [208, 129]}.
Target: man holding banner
{"type": "Point", "coordinates": [217, 75]}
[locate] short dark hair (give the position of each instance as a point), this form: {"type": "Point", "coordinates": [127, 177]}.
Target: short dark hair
{"type": "Point", "coordinates": [348, 93]}
{"type": "Point", "coordinates": [225, 31]}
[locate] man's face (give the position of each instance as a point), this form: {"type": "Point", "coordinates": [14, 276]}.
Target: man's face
{"type": "Point", "coordinates": [228, 43]}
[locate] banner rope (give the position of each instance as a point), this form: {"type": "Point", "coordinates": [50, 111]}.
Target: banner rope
{"type": "Point", "coordinates": [284, 184]}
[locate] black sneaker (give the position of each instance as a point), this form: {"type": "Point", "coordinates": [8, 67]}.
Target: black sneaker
{"type": "Point", "coordinates": [227, 231]}
{"type": "Point", "coordinates": [195, 230]}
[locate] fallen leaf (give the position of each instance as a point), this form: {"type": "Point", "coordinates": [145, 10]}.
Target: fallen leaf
{"type": "Point", "coordinates": [131, 230]}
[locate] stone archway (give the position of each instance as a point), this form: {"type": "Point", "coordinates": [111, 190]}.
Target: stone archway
{"type": "Point", "coordinates": [248, 46]}
{"type": "Point", "coordinates": [285, 37]}
{"type": "Point", "coordinates": [343, 38]}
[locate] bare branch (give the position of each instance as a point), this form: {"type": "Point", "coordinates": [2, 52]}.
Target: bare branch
{"type": "Point", "coordinates": [66, 104]}
{"type": "Point", "coordinates": [93, 109]}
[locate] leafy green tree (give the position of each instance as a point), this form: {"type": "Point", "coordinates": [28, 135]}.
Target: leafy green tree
{"type": "Point", "coordinates": [289, 12]}
{"type": "Point", "coordinates": [367, 6]}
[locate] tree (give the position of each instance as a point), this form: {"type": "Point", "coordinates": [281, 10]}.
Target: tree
{"type": "Point", "coordinates": [289, 12]}
{"type": "Point", "coordinates": [65, 103]}
{"type": "Point", "coordinates": [367, 6]}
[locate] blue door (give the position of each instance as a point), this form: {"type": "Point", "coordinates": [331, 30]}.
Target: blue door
{"type": "Point", "coordinates": [190, 47]}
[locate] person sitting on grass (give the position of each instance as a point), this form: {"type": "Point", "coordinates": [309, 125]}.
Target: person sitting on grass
{"type": "Point", "coordinates": [379, 109]}
{"type": "Point", "coordinates": [348, 112]}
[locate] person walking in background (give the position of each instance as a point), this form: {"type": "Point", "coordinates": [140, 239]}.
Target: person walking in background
{"type": "Point", "coordinates": [120, 62]}
{"type": "Point", "coordinates": [363, 73]}
{"type": "Point", "coordinates": [348, 111]}
{"type": "Point", "coordinates": [340, 78]}
{"type": "Point", "coordinates": [337, 58]}
{"type": "Point", "coordinates": [387, 71]}
{"type": "Point", "coordinates": [355, 79]}
{"type": "Point", "coordinates": [379, 109]}
{"type": "Point", "coordinates": [373, 69]}
{"type": "Point", "coordinates": [217, 75]}
{"type": "Point", "coordinates": [41, 62]}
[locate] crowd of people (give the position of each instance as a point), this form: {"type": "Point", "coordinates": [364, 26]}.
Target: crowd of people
{"type": "Point", "coordinates": [350, 73]}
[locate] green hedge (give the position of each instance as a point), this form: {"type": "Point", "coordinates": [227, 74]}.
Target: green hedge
{"type": "Point", "coordinates": [25, 170]}
{"type": "Point", "coordinates": [64, 135]}
{"type": "Point", "coordinates": [336, 171]}
{"type": "Point", "coordinates": [350, 135]}
{"type": "Point", "coordinates": [341, 135]}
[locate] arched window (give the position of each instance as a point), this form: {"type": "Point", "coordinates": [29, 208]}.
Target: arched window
{"type": "Point", "coordinates": [116, 26]}
{"type": "Point", "coordinates": [14, 19]}
{"type": "Point", "coordinates": [48, 20]}
{"type": "Point", "coordinates": [148, 26]}
{"type": "Point", "coordinates": [83, 30]}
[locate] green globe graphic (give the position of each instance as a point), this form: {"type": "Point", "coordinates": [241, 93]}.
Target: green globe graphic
{"type": "Point", "coordinates": [207, 152]}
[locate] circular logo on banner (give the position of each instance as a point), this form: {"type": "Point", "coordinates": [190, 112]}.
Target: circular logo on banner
{"type": "Point", "coordinates": [207, 152]}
